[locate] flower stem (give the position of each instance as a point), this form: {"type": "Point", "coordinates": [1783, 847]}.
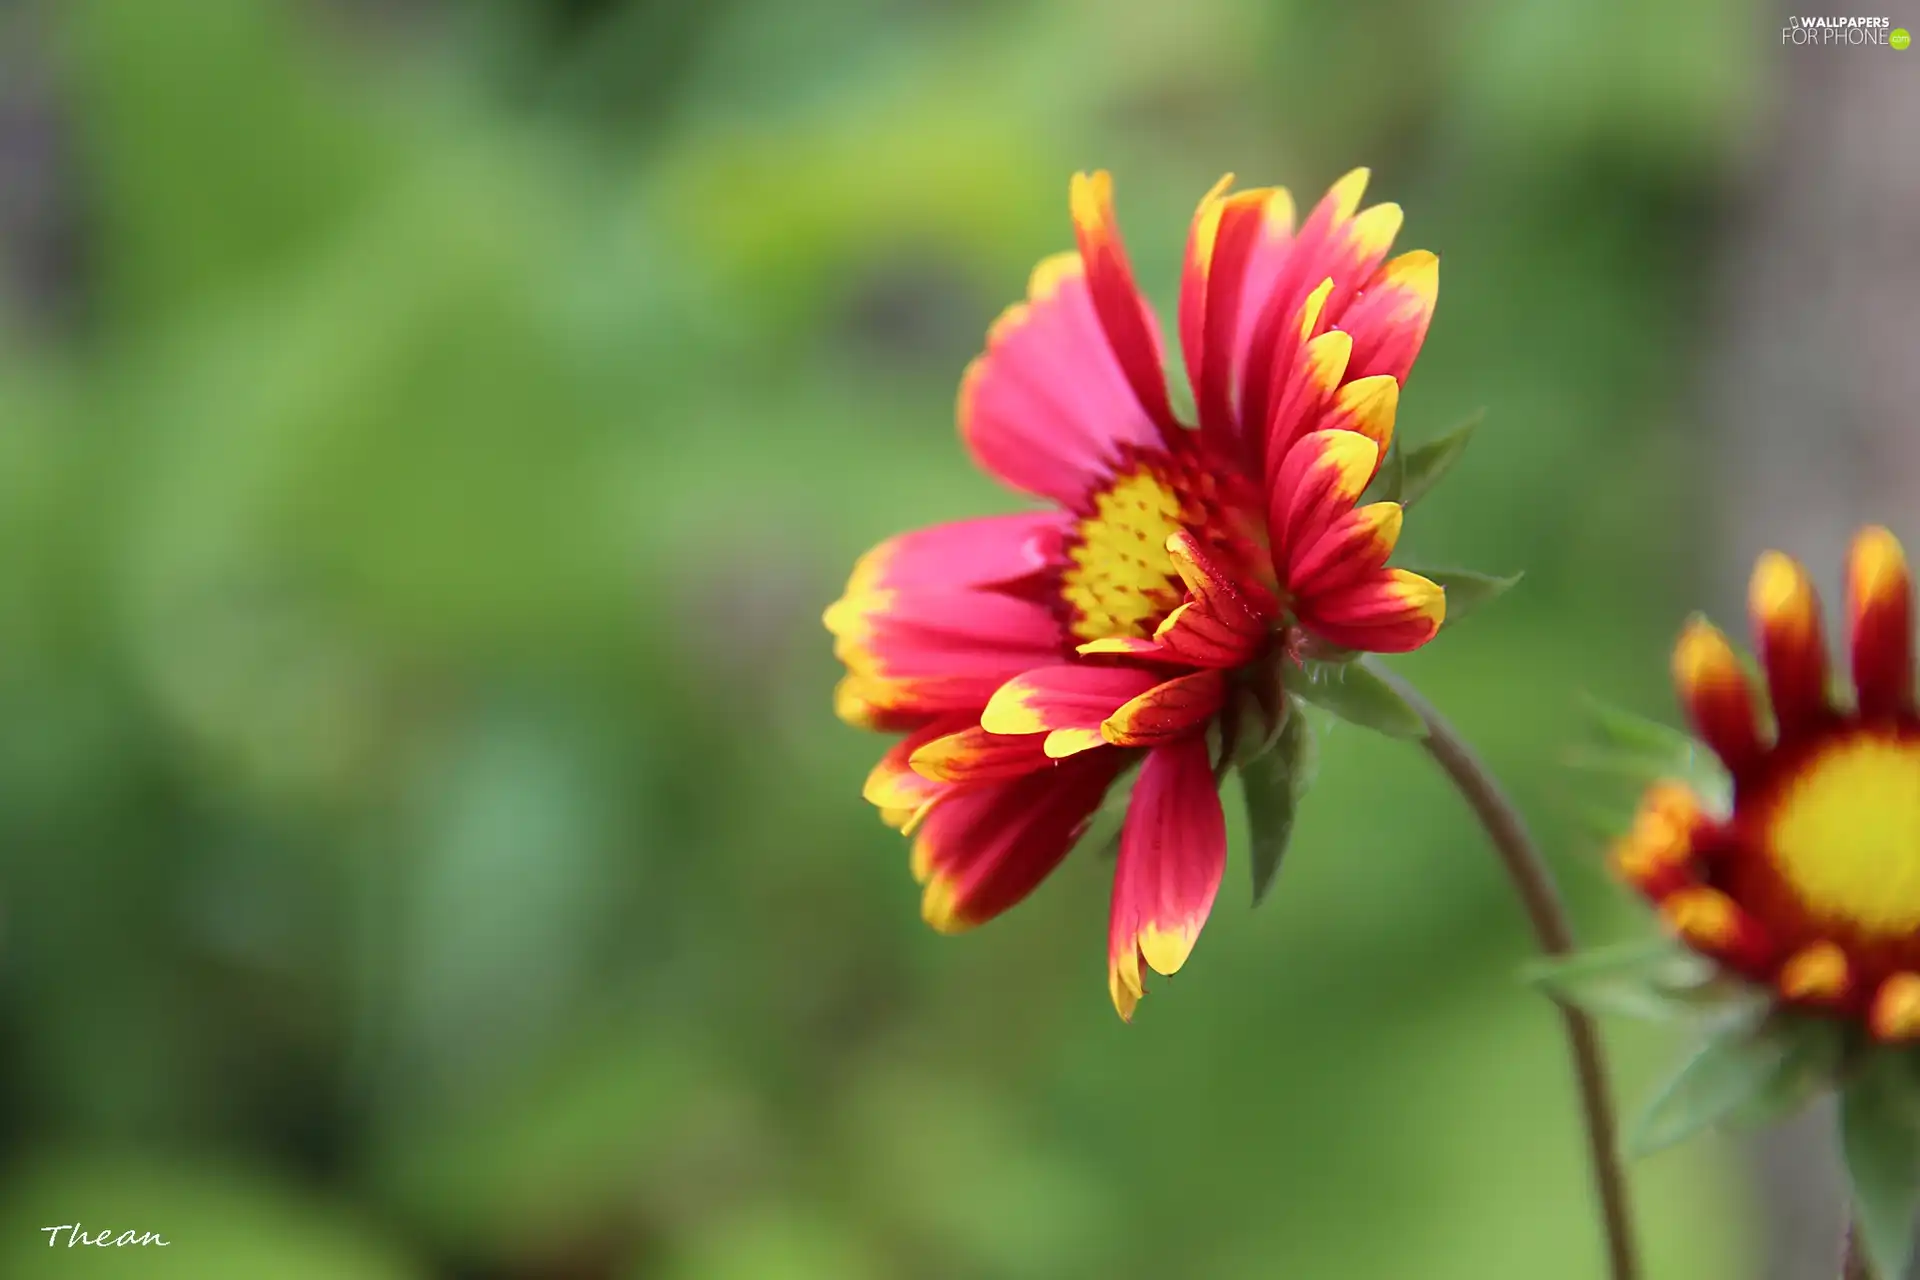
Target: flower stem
{"type": "Point", "coordinates": [1853, 1258]}
{"type": "Point", "coordinates": [1547, 914]}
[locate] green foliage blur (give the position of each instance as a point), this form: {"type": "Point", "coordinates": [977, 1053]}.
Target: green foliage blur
{"type": "Point", "coordinates": [426, 848]}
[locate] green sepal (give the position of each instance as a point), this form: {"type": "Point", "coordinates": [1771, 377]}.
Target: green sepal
{"type": "Point", "coordinates": [1254, 715]}
{"type": "Point", "coordinates": [1880, 1145]}
{"type": "Point", "coordinates": [1626, 731]}
{"type": "Point", "coordinates": [1390, 481]}
{"type": "Point", "coordinates": [1466, 590]}
{"type": "Point", "coordinates": [1656, 981]}
{"type": "Point", "coordinates": [1423, 467]}
{"type": "Point", "coordinates": [1816, 1050]}
{"type": "Point", "coordinates": [1645, 751]}
{"type": "Point", "coordinates": [1744, 1066]}
{"type": "Point", "coordinates": [1355, 694]}
{"type": "Point", "coordinates": [1273, 784]}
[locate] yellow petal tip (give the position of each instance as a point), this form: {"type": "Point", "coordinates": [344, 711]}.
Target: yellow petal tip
{"type": "Point", "coordinates": [1779, 586]}
{"type": "Point", "coordinates": [1062, 743]}
{"type": "Point", "coordinates": [1165, 950]}
{"type": "Point", "coordinates": [940, 906]}
{"type": "Point", "coordinates": [1348, 192]}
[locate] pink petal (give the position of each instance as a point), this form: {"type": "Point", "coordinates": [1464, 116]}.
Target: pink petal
{"type": "Point", "coordinates": [1173, 852]}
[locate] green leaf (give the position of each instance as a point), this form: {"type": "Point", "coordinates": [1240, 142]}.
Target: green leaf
{"type": "Point", "coordinates": [1251, 721]}
{"type": "Point", "coordinates": [1880, 1143]}
{"type": "Point", "coordinates": [1645, 751]}
{"type": "Point", "coordinates": [1736, 1066]}
{"type": "Point", "coordinates": [1466, 589]}
{"type": "Point", "coordinates": [1631, 766]}
{"type": "Point", "coordinates": [1390, 481]}
{"type": "Point", "coordinates": [1815, 1049]}
{"type": "Point", "coordinates": [1356, 694]}
{"type": "Point", "coordinates": [1273, 784]}
{"type": "Point", "coordinates": [1629, 732]}
{"type": "Point", "coordinates": [1424, 466]}
{"type": "Point", "coordinates": [1658, 980]}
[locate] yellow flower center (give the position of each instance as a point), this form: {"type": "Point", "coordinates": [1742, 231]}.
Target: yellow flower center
{"type": "Point", "coordinates": [1122, 582]}
{"type": "Point", "coordinates": [1846, 835]}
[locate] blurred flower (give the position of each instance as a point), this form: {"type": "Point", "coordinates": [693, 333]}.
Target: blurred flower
{"type": "Point", "coordinates": [1809, 881]}
{"type": "Point", "coordinates": [1032, 658]}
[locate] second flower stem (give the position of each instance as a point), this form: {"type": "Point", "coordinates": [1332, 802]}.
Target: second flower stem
{"type": "Point", "coordinates": [1547, 914]}
{"type": "Point", "coordinates": [1853, 1257]}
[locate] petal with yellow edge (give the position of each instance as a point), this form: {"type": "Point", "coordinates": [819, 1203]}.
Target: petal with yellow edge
{"type": "Point", "coordinates": [1365, 405]}
{"type": "Point", "coordinates": [1338, 242]}
{"type": "Point", "coordinates": [1817, 974]}
{"type": "Point", "coordinates": [1173, 852]}
{"type": "Point", "coordinates": [1714, 924]}
{"type": "Point", "coordinates": [1880, 622]}
{"type": "Point", "coordinates": [915, 654]}
{"type": "Point", "coordinates": [984, 848]}
{"type": "Point", "coordinates": [1125, 647]}
{"type": "Point", "coordinates": [1226, 232]}
{"type": "Point", "coordinates": [1717, 696]}
{"type": "Point", "coordinates": [1128, 324]}
{"type": "Point", "coordinates": [1244, 606]}
{"type": "Point", "coordinates": [1067, 703]}
{"type": "Point", "coordinates": [1047, 407]}
{"type": "Point", "coordinates": [1324, 248]}
{"type": "Point", "coordinates": [1318, 483]}
{"type": "Point", "coordinates": [1173, 709]}
{"type": "Point", "coordinates": [1894, 1015]}
{"type": "Point", "coordinates": [969, 754]}
{"type": "Point", "coordinates": [1389, 611]}
{"type": "Point", "coordinates": [895, 787]}
{"type": "Point", "coordinates": [1194, 634]}
{"type": "Point", "coordinates": [1191, 636]}
{"type": "Point", "coordinates": [1238, 326]}
{"type": "Point", "coordinates": [1354, 547]}
{"type": "Point", "coordinates": [1313, 378]}
{"type": "Point", "coordinates": [1656, 855]}
{"type": "Point", "coordinates": [1389, 319]}
{"type": "Point", "coordinates": [1203, 242]}
{"type": "Point", "coordinates": [1793, 652]}
{"type": "Point", "coordinates": [1350, 245]}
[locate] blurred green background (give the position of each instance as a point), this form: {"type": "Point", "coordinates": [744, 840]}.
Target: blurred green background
{"type": "Point", "coordinates": [428, 435]}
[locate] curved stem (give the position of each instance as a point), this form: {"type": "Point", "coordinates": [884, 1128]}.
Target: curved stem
{"type": "Point", "coordinates": [1853, 1258]}
{"type": "Point", "coordinates": [1547, 915]}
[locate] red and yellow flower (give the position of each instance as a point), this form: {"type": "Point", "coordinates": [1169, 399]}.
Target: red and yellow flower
{"type": "Point", "coordinates": [1809, 881]}
{"type": "Point", "coordinates": [1030, 659]}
